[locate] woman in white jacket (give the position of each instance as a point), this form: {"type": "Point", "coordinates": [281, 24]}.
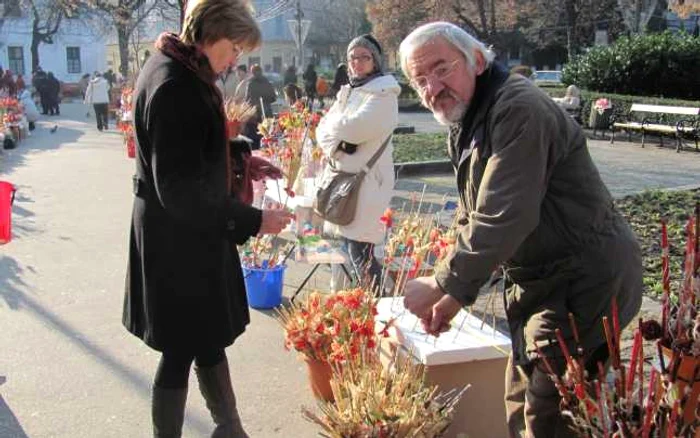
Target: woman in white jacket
{"type": "Point", "coordinates": [363, 116]}
{"type": "Point", "coordinates": [97, 94]}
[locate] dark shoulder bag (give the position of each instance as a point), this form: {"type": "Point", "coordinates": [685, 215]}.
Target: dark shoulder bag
{"type": "Point", "coordinates": [336, 197]}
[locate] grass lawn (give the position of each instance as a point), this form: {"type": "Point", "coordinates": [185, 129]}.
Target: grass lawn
{"type": "Point", "coordinates": [644, 213]}
{"type": "Point", "coordinates": [420, 147]}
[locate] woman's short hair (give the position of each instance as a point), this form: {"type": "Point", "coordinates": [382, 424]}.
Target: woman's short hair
{"type": "Point", "coordinates": [208, 21]}
{"type": "Point", "coordinates": [453, 34]}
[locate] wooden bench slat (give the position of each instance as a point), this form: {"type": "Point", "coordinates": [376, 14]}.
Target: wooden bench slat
{"type": "Point", "coordinates": [663, 109]}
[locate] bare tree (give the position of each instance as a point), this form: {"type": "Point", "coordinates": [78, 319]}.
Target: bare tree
{"type": "Point", "coordinates": [46, 16]}
{"type": "Point", "coordinates": [125, 16]}
{"type": "Point", "coordinates": [637, 13]}
{"type": "Point", "coordinates": [336, 22]}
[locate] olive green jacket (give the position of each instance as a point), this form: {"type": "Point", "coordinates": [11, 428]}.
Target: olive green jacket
{"type": "Point", "coordinates": [534, 204]}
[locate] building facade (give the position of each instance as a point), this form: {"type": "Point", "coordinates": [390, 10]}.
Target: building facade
{"type": "Point", "coordinates": [77, 49]}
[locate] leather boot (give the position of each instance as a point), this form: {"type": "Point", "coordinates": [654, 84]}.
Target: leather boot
{"type": "Point", "coordinates": [168, 411]}
{"type": "Point", "coordinates": [215, 385]}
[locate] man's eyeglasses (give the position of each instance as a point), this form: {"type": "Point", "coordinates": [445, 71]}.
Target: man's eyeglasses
{"type": "Point", "coordinates": [441, 72]}
{"type": "Point", "coordinates": [361, 58]}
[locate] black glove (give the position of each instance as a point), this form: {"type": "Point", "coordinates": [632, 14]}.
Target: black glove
{"type": "Point", "coordinates": [348, 148]}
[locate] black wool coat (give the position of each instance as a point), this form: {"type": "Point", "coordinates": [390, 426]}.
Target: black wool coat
{"type": "Point", "coordinates": [184, 284]}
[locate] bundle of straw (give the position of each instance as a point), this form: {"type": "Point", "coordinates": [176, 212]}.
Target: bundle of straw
{"type": "Point", "coordinates": [372, 401]}
{"type": "Point", "coordinates": [238, 111]}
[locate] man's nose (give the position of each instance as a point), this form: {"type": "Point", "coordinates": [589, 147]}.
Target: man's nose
{"type": "Point", "coordinates": [433, 86]}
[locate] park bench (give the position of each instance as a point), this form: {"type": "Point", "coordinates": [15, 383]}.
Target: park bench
{"type": "Point", "coordinates": [686, 128]}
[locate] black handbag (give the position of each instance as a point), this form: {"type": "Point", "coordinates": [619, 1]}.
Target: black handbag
{"type": "Point", "coordinates": [336, 197]}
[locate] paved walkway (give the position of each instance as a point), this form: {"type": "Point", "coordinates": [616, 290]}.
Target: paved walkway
{"type": "Point", "coordinates": [67, 367]}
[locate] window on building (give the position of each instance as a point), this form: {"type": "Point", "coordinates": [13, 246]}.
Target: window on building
{"type": "Point", "coordinates": [73, 59]}
{"type": "Point", "coordinates": [15, 56]}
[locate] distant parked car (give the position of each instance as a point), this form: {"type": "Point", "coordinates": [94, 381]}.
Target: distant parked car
{"type": "Point", "coordinates": [546, 78]}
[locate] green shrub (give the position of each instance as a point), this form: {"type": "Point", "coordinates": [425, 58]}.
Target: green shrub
{"type": "Point", "coordinates": [663, 64]}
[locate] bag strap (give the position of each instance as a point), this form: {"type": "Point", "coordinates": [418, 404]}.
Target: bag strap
{"type": "Point", "coordinates": [376, 155]}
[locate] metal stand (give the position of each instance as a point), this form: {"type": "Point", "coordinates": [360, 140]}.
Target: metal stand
{"type": "Point", "coordinates": [311, 273]}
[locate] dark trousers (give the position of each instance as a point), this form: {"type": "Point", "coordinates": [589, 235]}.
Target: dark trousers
{"type": "Point", "coordinates": [367, 269]}
{"type": "Point", "coordinates": [102, 115]}
{"type": "Point", "coordinates": [174, 367]}
{"type": "Point", "coordinates": [532, 400]}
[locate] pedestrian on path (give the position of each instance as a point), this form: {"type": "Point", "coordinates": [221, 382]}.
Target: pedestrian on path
{"type": "Point", "coordinates": [185, 294]}
{"type": "Point", "coordinates": [358, 124]}
{"type": "Point", "coordinates": [534, 204]}
{"type": "Point", "coordinates": [97, 95]}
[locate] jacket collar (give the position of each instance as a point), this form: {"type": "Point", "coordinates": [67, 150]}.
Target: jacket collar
{"type": "Point", "coordinates": [485, 89]}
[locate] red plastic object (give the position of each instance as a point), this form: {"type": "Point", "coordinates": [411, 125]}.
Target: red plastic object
{"type": "Point", "coordinates": [7, 197]}
{"type": "Point", "coordinates": [131, 147]}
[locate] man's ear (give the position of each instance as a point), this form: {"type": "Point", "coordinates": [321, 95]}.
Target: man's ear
{"type": "Point", "coordinates": [479, 62]}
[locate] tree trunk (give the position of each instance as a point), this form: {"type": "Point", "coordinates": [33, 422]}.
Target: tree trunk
{"type": "Point", "coordinates": [36, 40]}
{"type": "Point", "coordinates": [571, 19]}
{"type": "Point", "coordinates": [123, 40]}
{"type": "Point", "coordinates": [482, 17]}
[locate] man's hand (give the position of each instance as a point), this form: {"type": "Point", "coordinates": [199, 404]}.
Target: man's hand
{"type": "Point", "coordinates": [443, 312]}
{"type": "Point", "coordinates": [274, 221]}
{"type": "Point", "coordinates": [425, 299]}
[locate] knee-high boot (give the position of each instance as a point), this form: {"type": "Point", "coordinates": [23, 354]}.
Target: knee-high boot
{"type": "Point", "coordinates": [215, 385]}
{"type": "Point", "coordinates": [168, 411]}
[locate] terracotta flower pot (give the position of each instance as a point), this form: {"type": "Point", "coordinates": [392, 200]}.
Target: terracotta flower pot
{"type": "Point", "coordinates": [685, 376]}
{"type": "Point", "coordinates": [320, 378]}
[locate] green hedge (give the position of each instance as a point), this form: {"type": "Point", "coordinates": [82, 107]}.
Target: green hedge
{"type": "Point", "coordinates": [664, 64]}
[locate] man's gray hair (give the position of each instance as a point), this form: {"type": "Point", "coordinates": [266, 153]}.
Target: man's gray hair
{"type": "Point", "coordinates": [454, 35]}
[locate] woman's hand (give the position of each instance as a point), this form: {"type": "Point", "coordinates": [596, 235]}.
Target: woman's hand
{"type": "Point", "coordinates": [274, 221]}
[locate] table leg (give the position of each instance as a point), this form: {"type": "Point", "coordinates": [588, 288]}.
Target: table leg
{"type": "Point", "coordinates": [303, 283]}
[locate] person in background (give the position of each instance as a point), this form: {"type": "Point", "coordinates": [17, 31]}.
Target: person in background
{"type": "Point", "coordinates": [53, 93]}
{"type": "Point", "coordinates": [111, 78]}
{"type": "Point", "coordinates": [19, 83]}
{"type": "Point", "coordinates": [40, 85]}
{"type": "Point", "coordinates": [185, 295]}
{"type": "Point", "coordinates": [571, 100]}
{"type": "Point", "coordinates": [358, 124]}
{"type": "Point", "coordinates": [534, 204]}
{"type": "Point", "coordinates": [321, 89]}
{"type": "Point", "coordinates": [30, 110]}
{"type": "Point", "coordinates": [292, 94]}
{"type": "Point", "coordinates": [97, 95]}
{"type": "Point", "coordinates": [310, 77]}
{"type": "Point", "coordinates": [243, 79]}
{"type": "Point", "coordinates": [83, 84]}
{"type": "Point", "coordinates": [261, 94]}
{"type": "Point", "coordinates": [290, 75]}
{"type": "Point", "coordinates": [227, 83]}
{"type": "Point", "coordinates": [7, 83]}
{"type": "Point", "coordinates": [339, 79]}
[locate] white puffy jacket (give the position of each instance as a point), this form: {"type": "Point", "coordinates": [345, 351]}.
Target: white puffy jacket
{"type": "Point", "coordinates": [97, 91]}
{"type": "Point", "coordinates": [365, 116]}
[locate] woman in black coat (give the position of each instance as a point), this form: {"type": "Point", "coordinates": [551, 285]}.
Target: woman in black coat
{"type": "Point", "coordinates": [185, 294]}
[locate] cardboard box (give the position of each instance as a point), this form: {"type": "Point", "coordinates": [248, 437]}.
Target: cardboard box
{"type": "Point", "coordinates": [470, 353]}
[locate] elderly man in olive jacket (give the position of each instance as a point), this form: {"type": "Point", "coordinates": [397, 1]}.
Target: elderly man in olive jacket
{"type": "Point", "coordinates": [534, 204]}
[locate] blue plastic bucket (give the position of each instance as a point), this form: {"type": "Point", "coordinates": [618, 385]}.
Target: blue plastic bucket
{"type": "Point", "coordinates": [264, 286]}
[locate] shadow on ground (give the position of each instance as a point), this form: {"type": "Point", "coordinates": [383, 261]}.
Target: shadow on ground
{"type": "Point", "coordinates": [9, 425]}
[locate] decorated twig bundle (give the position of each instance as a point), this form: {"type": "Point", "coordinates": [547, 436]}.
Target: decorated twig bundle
{"type": "Point", "coordinates": [373, 401]}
